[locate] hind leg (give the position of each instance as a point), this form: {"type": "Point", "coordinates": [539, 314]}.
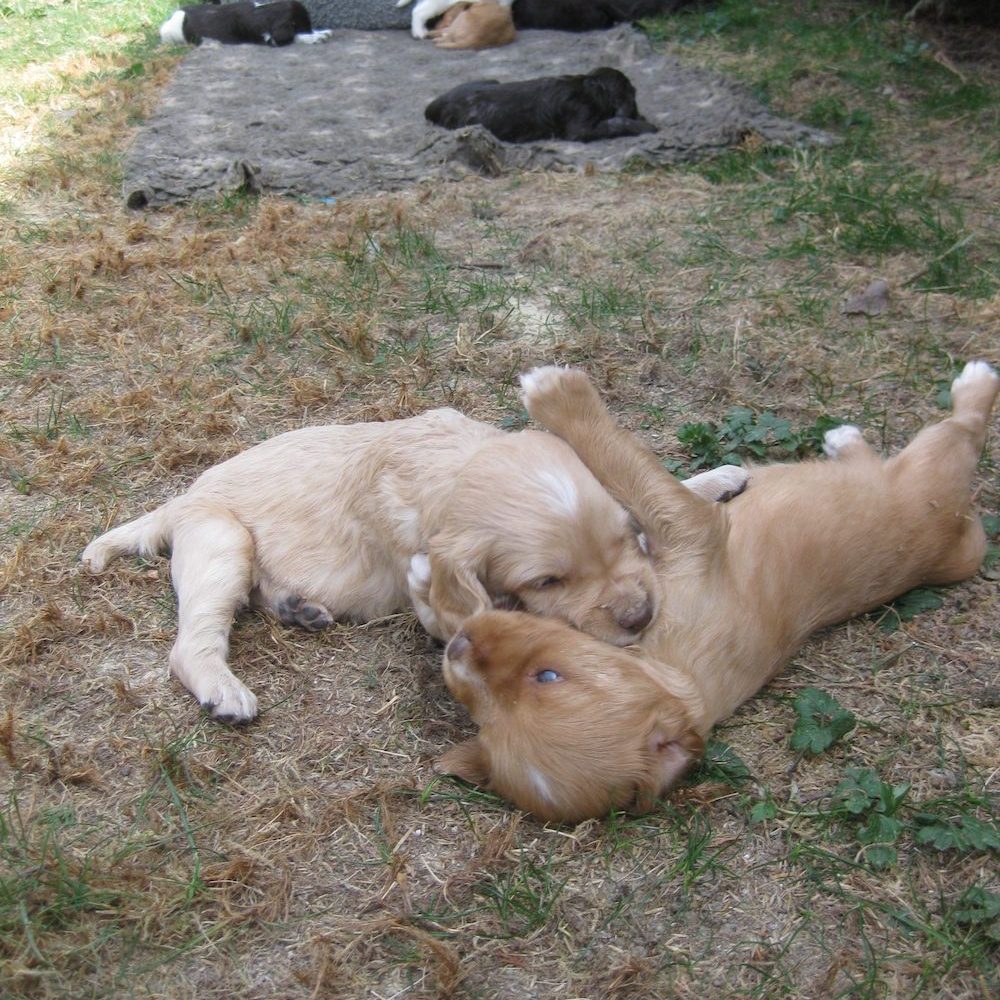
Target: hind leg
{"type": "Point", "coordinates": [949, 451]}
{"type": "Point", "coordinates": [937, 469]}
{"type": "Point", "coordinates": [290, 608]}
{"type": "Point", "coordinates": [212, 569]}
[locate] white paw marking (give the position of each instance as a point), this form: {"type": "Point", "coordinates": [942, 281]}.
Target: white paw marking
{"type": "Point", "coordinates": [172, 30]}
{"type": "Point", "coordinates": [315, 37]}
{"type": "Point", "coordinates": [837, 439]}
{"type": "Point", "coordinates": [540, 380]}
{"type": "Point", "coordinates": [726, 479]}
{"type": "Point", "coordinates": [972, 372]}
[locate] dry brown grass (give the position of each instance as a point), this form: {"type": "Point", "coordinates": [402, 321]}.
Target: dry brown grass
{"type": "Point", "coordinates": [314, 853]}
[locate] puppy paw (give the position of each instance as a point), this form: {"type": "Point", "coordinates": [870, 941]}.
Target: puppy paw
{"type": "Point", "coordinates": [95, 557]}
{"type": "Point", "coordinates": [297, 610]}
{"type": "Point", "coordinates": [403, 3]}
{"type": "Point", "coordinates": [541, 380]}
{"type": "Point", "coordinates": [973, 372]}
{"type": "Point", "coordinates": [315, 37]}
{"type": "Point", "coordinates": [553, 394]}
{"type": "Point", "coordinates": [228, 700]}
{"type": "Point", "coordinates": [840, 439]}
{"type": "Point", "coordinates": [720, 485]}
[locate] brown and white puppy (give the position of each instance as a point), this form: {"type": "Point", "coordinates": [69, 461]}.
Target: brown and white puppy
{"type": "Point", "coordinates": [358, 521]}
{"type": "Point", "coordinates": [570, 727]}
{"type": "Point", "coordinates": [475, 24]}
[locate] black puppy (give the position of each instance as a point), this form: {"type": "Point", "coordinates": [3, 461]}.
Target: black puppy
{"type": "Point", "coordinates": [599, 105]}
{"type": "Point", "coordinates": [587, 15]}
{"type": "Point", "coordinates": [279, 22]}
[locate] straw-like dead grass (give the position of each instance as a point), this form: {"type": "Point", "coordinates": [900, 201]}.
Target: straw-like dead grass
{"type": "Point", "coordinates": [149, 852]}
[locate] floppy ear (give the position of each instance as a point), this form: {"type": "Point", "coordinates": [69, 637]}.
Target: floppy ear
{"type": "Point", "coordinates": [456, 590]}
{"type": "Point", "coordinates": [466, 761]}
{"type": "Point", "coordinates": [671, 752]}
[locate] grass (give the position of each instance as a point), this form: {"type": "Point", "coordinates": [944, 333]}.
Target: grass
{"type": "Point", "coordinates": [146, 852]}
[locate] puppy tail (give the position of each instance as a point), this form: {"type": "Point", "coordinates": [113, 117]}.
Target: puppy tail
{"type": "Point", "coordinates": [148, 535]}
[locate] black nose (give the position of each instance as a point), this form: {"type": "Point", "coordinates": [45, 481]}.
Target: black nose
{"type": "Point", "coordinates": [458, 646]}
{"type": "Point", "coordinates": [637, 620]}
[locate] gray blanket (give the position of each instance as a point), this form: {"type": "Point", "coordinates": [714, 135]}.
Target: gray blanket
{"type": "Point", "coordinates": [364, 15]}
{"type": "Point", "coordinates": [326, 120]}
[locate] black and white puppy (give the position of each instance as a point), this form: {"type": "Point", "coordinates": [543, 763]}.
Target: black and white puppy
{"type": "Point", "coordinates": [598, 105]}
{"type": "Point", "coordinates": [276, 22]}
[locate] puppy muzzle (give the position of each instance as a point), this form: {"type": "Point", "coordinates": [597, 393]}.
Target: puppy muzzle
{"type": "Point", "coordinates": [635, 619]}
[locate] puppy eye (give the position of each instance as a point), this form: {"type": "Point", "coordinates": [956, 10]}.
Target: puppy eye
{"type": "Point", "coordinates": [546, 582]}
{"type": "Point", "coordinates": [547, 676]}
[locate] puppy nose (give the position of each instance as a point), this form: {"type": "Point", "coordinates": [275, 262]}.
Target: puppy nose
{"type": "Point", "coordinates": [636, 619]}
{"type": "Point", "coordinates": [458, 646]}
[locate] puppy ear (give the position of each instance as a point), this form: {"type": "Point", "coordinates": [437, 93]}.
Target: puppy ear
{"type": "Point", "coordinates": [671, 753]}
{"type": "Point", "coordinates": [466, 761]}
{"type": "Point", "coordinates": [456, 591]}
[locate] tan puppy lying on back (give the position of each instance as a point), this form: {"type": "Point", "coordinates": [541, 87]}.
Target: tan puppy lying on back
{"type": "Point", "coordinates": [571, 727]}
{"type": "Point", "coordinates": [477, 24]}
{"type": "Point", "coordinates": [357, 521]}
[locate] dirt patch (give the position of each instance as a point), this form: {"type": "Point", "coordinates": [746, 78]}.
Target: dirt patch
{"type": "Point", "coordinates": [323, 121]}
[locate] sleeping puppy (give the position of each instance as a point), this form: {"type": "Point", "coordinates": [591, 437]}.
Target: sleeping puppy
{"type": "Point", "coordinates": [276, 22]}
{"type": "Point", "coordinates": [571, 727]}
{"type": "Point", "coordinates": [598, 105]}
{"type": "Point", "coordinates": [560, 15]}
{"type": "Point", "coordinates": [358, 521]}
{"type": "Point", "coordinates": [483, 24]}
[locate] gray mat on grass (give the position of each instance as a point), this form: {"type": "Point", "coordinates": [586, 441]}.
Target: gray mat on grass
{"type": "Point", "coordinates": [327, 120]}
{"type": "Point", "coordinates": [365, 15]}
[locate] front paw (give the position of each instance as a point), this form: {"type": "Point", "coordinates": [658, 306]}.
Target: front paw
{"type": "Point", "coordinates": [228, 700]}
{"type": "Point", "coordinates": [553, 395]}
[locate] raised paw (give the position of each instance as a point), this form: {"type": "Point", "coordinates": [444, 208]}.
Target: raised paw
{"type": "Point", "coordinates": [541, 380]}
{"type": "Point", "coordinates": [973, 372]}
{"type": "Point", "coordinates": [839, 440]}
{"type": "Point", "coordinates": [297, 610]}
{"type": "Point", "coordinates": [552, 394]}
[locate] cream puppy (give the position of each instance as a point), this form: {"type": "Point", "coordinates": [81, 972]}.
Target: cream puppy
{"type": "Point", "coordinates": [476, 24]}
{"type": "Point", "coordinates": [570, 727]}
{"type": "Point", "coordinates": [358, 521]}
{"type": "Point", "coordinates": [426, 11]}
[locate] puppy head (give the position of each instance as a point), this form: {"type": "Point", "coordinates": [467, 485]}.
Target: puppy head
{"type": "Point", "coordinates": [569, 727]}
{"type": "Point", "coordinates": [529, 523]}
{"type": "Point", "coordinates": [615, 89]}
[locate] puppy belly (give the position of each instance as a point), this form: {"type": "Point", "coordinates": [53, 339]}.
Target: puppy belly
{"type": "Point", "coordinates": [347, 594]}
